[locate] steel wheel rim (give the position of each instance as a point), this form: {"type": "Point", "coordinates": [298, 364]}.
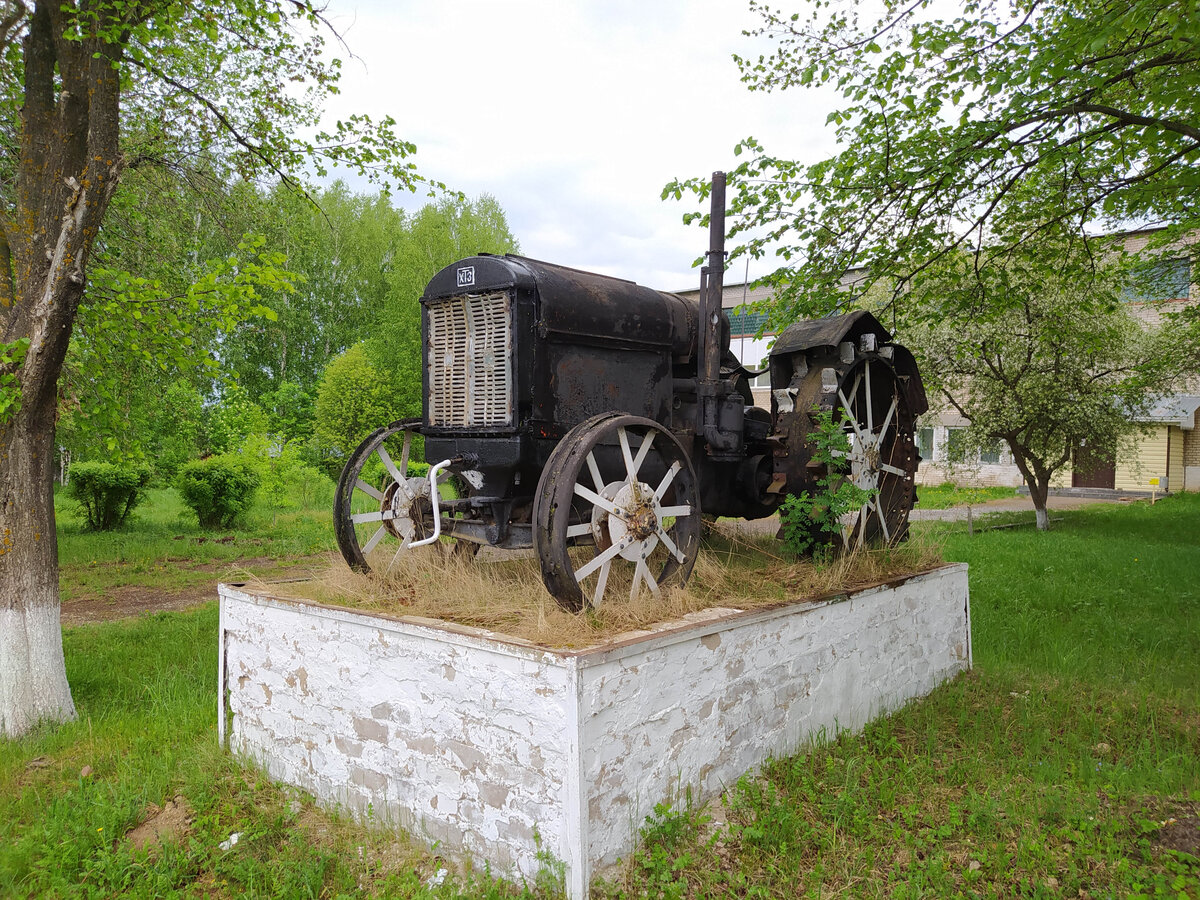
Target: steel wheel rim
{"type": "Point", "coordinates": [638, 519]}
{"type": "Point", "coordinates": [380, 520]}
{"type": "Point", "coordinates": [878, 424]}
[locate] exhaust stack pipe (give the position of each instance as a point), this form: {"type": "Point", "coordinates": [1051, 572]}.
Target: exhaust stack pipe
{"type": "Point", "coordinates": [712, 288]}
{"type": "Point", "coordinates": [722, 444]}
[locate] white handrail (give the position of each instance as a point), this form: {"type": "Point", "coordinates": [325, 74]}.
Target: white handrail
{"type": "Point", "coordinates": [433, 496]}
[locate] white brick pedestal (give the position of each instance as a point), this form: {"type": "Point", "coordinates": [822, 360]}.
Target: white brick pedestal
{"type": "Point", "coordinates": [497, 748]}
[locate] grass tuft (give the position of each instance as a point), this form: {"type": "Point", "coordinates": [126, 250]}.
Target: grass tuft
{"type": "Point", "coordinates": [505, 594]}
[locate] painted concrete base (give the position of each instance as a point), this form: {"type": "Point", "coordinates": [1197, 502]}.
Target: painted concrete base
{"type": "Point", "coordinates": [502, 750]}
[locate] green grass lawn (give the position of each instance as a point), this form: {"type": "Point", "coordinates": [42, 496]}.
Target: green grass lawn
{"type": "Point", "coordinates": [1110, 597]}
{"type": "Point", "coordinates": [163, 547]}
{"type": "Point", "coordinates": [944, 496]}
{"type": "Point", "coordinates": [145, 693]}
{"type": "Point", "coordinates": [1066, 764]}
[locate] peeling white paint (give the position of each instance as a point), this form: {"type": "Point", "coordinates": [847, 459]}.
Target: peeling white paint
{"type": "Point", "coordinates": [483, 742]}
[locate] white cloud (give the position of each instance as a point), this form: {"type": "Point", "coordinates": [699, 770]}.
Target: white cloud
{"type": "Point", "coordinates": [573, 114]}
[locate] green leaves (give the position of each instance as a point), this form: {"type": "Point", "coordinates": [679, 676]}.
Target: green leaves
{"type": "Point", "coordinates": [134, 325]}
{"type": "Point", "coordinates": [12, 355]}
{"type": "Point", "coordinates": [219, 489]}
{"type": "Point", "coordinates": [811, 522]}
{"type": "Point", "coordinates": [1041, 353]}
{"type": "Point", "coordinates": [107, 493]}
{"type": "Point", "coordinates": [244, 81]}
{"type": "Point", "coordinates": [1091, 111]}
{"type": "Point", "coordinates": [353, 400]}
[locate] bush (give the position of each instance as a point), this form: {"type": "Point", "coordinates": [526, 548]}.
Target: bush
{"type": "Point", "coordinates": [287, 482]}
{"type": "Point", "coordinates": [218, 489]}
{"type": "Point", "coordinates": [106, 493]}
{"type": "Point", "coordinates": [811, 522]}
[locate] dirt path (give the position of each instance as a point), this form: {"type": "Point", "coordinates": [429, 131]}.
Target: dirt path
{"type": "Point", "coordinates": [1008, 504]}
{"type": "Point", "coordinates": [131, 600]}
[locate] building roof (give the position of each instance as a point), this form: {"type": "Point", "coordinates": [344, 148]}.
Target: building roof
{"type": "Point", "coordinates": [1176, 409]}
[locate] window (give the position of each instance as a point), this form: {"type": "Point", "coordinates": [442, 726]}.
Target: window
{"type": "Point", "coordinates": [989, 454]}
{"type": "Point", "coordinates": [745, 323]}
{"type": "Point", "coordinates": [763, 380]}
{"type": "Point", "coordinates": [956, 440]}
{"type": "Point", "coordinates": [1162, 279]}
{"type": "Point", "coordinates": [925, 442]}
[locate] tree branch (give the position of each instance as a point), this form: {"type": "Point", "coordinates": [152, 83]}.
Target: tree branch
{"type": "Point", "coordinates": [953, 402]}
{"type": "Point", "coordinates": [1128, 118]}
{"type": "Point", "coordinates": [12, 12]}
{"type": "Point", "coordinates": [242, 140]}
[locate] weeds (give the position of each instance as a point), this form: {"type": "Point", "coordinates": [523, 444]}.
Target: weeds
{"type": "Point", "coordinates": [811, 523]}
{"type": "Point", "coordinates": [733, 571]}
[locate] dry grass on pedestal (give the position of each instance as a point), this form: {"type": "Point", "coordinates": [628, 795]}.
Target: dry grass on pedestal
{"type": "Point", "coordinates": [503, 592]}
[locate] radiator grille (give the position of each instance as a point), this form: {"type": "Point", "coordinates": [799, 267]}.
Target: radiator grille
{"type": "Point", "coordinates": [470, 361]}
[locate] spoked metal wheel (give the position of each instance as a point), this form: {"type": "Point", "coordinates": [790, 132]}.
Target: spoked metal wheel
{"type": "Point", "coordinates": [378, 511]}
{"type": "Point", "coordinates": [882, 459]}
{"type": "Point", "coordinates": [616, 512]}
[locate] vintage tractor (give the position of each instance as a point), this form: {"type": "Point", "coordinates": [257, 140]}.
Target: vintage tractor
{"type": "Point", "coordinates": [595, 420]}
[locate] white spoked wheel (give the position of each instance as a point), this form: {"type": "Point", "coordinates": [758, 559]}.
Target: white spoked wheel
{"type": "Point", "coordinates": [379, 511]}
{"type": "Point", "coordinates": [616, 512]}
{"type": "Point", "coordinates": [882, 459]}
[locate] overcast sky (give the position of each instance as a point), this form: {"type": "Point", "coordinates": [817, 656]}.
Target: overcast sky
{"type": "Point", "coordinates": [574, 115]}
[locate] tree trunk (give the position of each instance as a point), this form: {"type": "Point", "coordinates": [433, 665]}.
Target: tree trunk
{"type": "Point", "coordinates": [1039, 490]}
{"type": "Point", "coordinates": [1036, 473]}
{"type": "Point", "coordinates": [33, 678]}
{"type": "Point", "coordinates": [67, 170]}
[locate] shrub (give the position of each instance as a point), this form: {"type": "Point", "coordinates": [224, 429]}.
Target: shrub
{"type": "Point", "coordinates": [106, 493]}
{"type": "Point", "coordinates": [811, 522]}
{"type": "Point", "coordinates": [218, 489]}
{"type": "Point", "coordinates": [287, 482]}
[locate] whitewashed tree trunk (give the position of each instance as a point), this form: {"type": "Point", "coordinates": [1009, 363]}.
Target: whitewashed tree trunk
{"type": "Point", "coordinates": [33, 681]}
{"type": "Point", "coordinates": [1039, 493]}
{"type": "Point", "coordinates": [1037, 479]}
{"type": "Point", "coordinates": [33, 678]}
{"type": "Point", "coordinates": [68, 167]}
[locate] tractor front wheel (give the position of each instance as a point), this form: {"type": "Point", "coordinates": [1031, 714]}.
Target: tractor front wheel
{"type": "Point", "coordinates": [616, 511]}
